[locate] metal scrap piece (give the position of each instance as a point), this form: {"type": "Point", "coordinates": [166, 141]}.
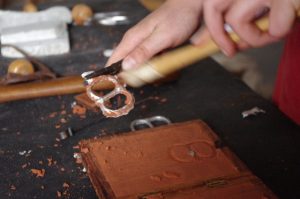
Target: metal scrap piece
{"type": "Point", "coordinates": [112, 18]}
{"type": "Point", "coordinates": [252, 112]}
{"type": "Point", "coordinates": [65, 134]}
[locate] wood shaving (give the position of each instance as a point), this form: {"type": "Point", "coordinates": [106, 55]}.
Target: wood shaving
{"type": "Point", "coordinates": [163, 100]}
{"type": "Point", "coordinates": [50, 161]}
{"type": "Point", "coordinates": [58, 194]}
{"type": "Point", "coordinates": [78, 110]}
{"type": "Point", "coordinates": [78, 161]}
{"type": "Point", "coordinates": [52, 115]}
{"type": "Point", "coordinates": [66, 185]}
{"type": "Point", "coordinates": [39, 172]}
{"type": "Point", "coordinates": [13, 187]}
{"type": "Point", "coordinates": [84, 150]}
{"type": "Point", "coordinates": [63, 120]}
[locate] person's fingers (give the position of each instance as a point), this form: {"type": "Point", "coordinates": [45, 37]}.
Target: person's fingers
{"type": "Point", "coordinates": [168, 31]}
{"type": "Point", "coordinates": [243, 45]}
{"type": "Point", "coordinates": [213, 16]}
{"type": "Point", "coordinates": [282, 17]}
{"type": "Point", "coordinates": [158, 31]}
{"type": "Point", "coordinates": [132, 38]}
{"type": "Point", "coordinates": [156, 42]}
{"type": "Point", "coordinates": [241, 17]}
{"type": "Point", "coordinates": [201, 36]}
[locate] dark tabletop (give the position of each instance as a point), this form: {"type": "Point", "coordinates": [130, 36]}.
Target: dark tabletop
{"type": "Point", "coordinates": [269, 143]}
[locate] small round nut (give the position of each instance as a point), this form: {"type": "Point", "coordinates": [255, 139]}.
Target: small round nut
{"type": "Point", "coordinates": [30, 7]}
{"type": "Point", "coordinates": [21, 67]}
{"type": "Point", "coordinates": [81, 13]}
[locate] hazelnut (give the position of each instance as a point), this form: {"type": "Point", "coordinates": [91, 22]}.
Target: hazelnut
{"type": "Point", "coordinates": [21, 67]}
{"type": "Point", "coordinates": [30, 7]}
{"type": "Point", "coordinates": [81, 13]}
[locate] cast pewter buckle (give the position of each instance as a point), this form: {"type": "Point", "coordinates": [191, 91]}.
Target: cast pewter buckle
{"type": "Point", "coordinates": [108, 74]}
{"type": "Point", "coordinates": [150, 122]}
{"type": "Point", "coordinates": [100, 101]}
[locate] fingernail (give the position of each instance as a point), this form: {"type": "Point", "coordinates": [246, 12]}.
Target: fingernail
{"type": "Point", "coordinates": [128, 63]}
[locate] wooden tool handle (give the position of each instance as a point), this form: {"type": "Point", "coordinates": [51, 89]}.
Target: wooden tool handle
{"type": "Point", "coordinates": [169, 62]}
{"type": "Point", "coordinates": [59, 86]}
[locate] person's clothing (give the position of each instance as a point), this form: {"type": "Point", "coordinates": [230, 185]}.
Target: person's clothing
{"type": "Point", "coordinates": [287, 88]}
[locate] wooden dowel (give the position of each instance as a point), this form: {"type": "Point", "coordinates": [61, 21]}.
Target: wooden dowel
{"type": "Point", "coordinates": [59, 86]}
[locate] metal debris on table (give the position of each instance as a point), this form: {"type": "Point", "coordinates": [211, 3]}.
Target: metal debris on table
{"type": "Point", "coordinates": [108, 52]}
{"type": "Point", "coordinates": [252, 112]}
{"type": "Point", "coordinates": [77, 155]}
{"type": "Point", "coordinates": [25, 152]}
{"type": "Point", "coordinates": [65, 134]}
{"type": "Point", "coordinates": [112, 18]}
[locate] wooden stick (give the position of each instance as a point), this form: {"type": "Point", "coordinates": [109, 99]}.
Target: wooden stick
{"type": "Point", "coordinates": [151, 4]}
{"type": "Point", "coordinates": [169, 62]}
{"type": "Point", "coordinates": [59, 86]}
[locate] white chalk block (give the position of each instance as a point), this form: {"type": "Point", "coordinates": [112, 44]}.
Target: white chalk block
{"type": "Point", "coordinates": [54, 45]}
{"type": "Point", "coordinates": [18, 18]}
{"type": "Point", "coordinates": [33, 32]}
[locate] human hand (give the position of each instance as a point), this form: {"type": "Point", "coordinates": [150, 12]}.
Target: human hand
{"type": "Point", "coordinates": [168, 26]}
{"type": "Point", "coordinates": [240, 15]}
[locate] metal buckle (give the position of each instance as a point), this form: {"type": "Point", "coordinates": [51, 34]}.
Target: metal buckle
{"type": "Point", "coordinates": [149, 122]}
{"type": "Point", "coordinates": [100, 100]}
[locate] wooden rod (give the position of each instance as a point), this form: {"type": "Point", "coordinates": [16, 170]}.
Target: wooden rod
{"type": "Point", "coordinates": [59, 86]}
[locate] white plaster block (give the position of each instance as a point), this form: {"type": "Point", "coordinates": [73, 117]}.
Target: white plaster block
{"type": "Point", "coordinates": [19, 18]}
{"type": "Point", "coordinates": [33, 32]}
{"type": "Point", "coordinates": [47, 47]}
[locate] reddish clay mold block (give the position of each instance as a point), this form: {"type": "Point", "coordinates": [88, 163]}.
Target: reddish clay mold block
{"type": "Point", "coordinates": [182, 160]}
